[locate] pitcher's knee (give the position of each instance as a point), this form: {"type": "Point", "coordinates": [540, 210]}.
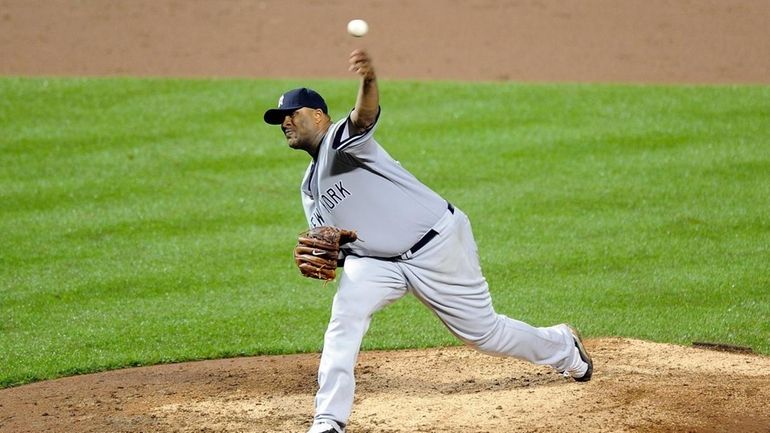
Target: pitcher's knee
{"type": "Point", "coordinates": [486, 342]}
{"type": "Point", "coordinates": [484, 345]}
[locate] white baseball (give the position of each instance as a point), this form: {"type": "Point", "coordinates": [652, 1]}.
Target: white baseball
{"type": "Point", "coordinates": [358, 28]}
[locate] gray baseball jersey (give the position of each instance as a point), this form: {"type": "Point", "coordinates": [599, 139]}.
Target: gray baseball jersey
{"type": "Point", "coordinates": [353, 183]}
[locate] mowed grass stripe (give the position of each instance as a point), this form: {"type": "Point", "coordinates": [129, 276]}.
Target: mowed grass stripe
{"type": "Point", "coordinates": [152, 220]}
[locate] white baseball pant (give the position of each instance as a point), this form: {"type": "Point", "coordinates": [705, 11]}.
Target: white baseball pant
{"type": "Point", "coordinates": [445, 275]}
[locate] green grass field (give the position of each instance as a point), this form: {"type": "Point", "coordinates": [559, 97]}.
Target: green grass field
{"type": "Point", "coordinates": [149, 220]}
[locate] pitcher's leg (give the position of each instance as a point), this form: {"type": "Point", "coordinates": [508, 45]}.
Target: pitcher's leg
{"type": "Point", "coordinates": [366, 286]}
{"type": "Point", "coordinates": [447, 277]}
{"type": "Point", "coordinates": [471, 317]}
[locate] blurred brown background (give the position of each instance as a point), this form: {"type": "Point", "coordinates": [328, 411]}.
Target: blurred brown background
{"type": "Point", "coordinates": [665, 41]}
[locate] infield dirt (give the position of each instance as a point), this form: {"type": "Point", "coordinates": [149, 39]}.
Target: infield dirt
{"type": "Point", "coordinates": [637, 387]}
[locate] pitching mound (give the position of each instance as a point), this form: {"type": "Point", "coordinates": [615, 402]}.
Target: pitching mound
{"type": "Point", "coordinates": [637, 387]}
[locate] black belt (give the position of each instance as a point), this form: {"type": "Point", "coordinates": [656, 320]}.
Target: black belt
{"type": "Point", "coordinates": [425, 239]}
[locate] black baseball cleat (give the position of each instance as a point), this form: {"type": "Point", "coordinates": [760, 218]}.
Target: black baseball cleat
{"type": "Point", "coordinates": [327, 426]}
{"type": "Point", "coordinates": [583, 356]}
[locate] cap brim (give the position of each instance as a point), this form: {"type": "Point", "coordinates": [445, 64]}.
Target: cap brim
{"type": "Point", "coordinates": [275, 116]}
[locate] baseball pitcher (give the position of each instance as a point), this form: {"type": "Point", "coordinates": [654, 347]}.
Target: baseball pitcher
{"type": "Point", "coordinates": [394, 236]}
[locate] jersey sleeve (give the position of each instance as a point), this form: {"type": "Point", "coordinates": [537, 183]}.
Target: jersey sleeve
{"type": "Point", "coordinates": [306, 196]}
{"type": "Point", "coordinates": [308, 204]}
{"type": "Point", "coordinates": [359, 145]}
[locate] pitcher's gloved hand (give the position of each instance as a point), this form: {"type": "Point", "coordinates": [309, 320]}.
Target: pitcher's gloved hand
{"type": "Point", "coordinates": [318, 250]}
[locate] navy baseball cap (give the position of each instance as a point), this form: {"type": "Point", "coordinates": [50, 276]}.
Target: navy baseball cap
{"type": "Point", "coordinates": [293, 100]}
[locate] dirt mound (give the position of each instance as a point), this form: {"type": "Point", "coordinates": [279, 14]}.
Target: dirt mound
{"type": "Point", "coordinates": [637, 387]}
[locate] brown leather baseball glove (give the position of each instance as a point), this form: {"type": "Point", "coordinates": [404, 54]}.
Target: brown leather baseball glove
{"type": "Point", "coordinates": [318, 250]}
